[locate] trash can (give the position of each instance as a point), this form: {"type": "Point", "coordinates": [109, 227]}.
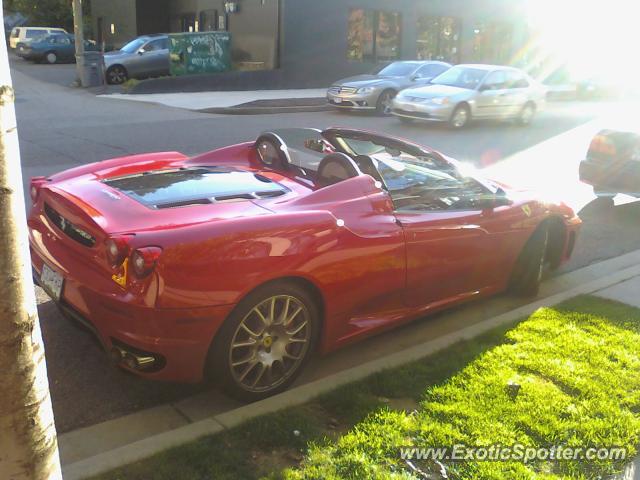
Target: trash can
{"type": "Point", "coordinates": [92, 69]}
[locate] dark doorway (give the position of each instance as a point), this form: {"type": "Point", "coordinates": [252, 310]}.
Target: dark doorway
{"type": "Point", "coordinates": [152, 16]}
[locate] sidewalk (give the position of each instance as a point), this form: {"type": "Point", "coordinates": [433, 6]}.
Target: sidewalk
{"type": "Point", "coordinates": [105, 446]}
{"type": "Point", "coordinates": [249, 102]}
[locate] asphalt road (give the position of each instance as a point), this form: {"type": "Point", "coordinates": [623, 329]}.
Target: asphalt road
{"type": "Point", "coordinates": [61, 127]}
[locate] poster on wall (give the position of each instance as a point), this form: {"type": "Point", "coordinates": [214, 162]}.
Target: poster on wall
{"type": "Point", "coordinates": [193, 53]}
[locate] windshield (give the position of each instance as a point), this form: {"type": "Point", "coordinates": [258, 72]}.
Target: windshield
{"type": "Point", "coordinates": [461, 77]}
{"type": "Point", "coordinates": [416, 179]}
{"type": "Point", "coordinates": [133, 46]}
{"type": "Point", "coordinates": [397, 69]}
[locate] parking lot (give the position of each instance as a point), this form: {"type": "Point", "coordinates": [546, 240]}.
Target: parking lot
{"type": "Point", "coordinates": [61, 127]}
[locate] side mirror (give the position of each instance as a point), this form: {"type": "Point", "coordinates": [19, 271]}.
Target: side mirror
{"type": "Point", "coordinates": [491, 202]}
{"type": "Point", "coordinates": [142, 51]}
{"type": "Point", "coordinates": [314, 144]}
{"type": "Point", "coordinates": [485, 88]}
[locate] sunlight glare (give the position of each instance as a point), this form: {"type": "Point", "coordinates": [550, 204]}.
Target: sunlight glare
{"type": "Point", "coordinates": [592, 39]}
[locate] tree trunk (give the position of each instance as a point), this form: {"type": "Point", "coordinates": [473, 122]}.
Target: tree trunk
{"type": "Point", "coordinates": [78, 30]}
{"type": "Point", "coordinates": [28, 446]}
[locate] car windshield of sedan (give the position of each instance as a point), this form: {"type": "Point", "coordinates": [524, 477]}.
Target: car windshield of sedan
{"type": "Point", "coordinates": [133, 46]}
{"type": "Point", "coordinates": [397, 69]}
{"type": "Point", "coordinates": [461, 77]}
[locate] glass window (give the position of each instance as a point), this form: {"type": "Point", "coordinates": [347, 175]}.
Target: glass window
{"type": "Point", "coordinates": [167, 187]}
{"type": "Point", "coordinates": [496, 80]}
{"type": "Point", "coordinates": [360, 35]}
{"type": "Point", "coordinates": [31, 33]}
{"type": "Point", "coordinates": [516, 79]}
{"type": "Point", "coordinates": [418, 181]}
{"type": "Point", "coordinates": [462, 77]}
{"type": "Point", "coordinates": [155, 45]}
{"type": "Point", "coordinates": [133, 46]}
{"type": "Point", "coordinates": [398, 69]}
{"type": "Point", "coordinates": [388, 36]}
{"type": "Point", "coordinates": [438, 38]}
{"type": "Point", "coordinates": [492, 42]}
{"type": "Point", "coordinates": [15, 33]}
{"type": "Point", "coordinates": [416, 186]}
{"type": "Point", "coordinates": [373, 36]}
{"type": "Point", "coordinates": [431, 70]}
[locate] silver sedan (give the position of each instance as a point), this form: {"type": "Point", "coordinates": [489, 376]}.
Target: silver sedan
{"type": "Point", "coordinates": [473, 91]}
{"type": "Point", "coordinates": [376, 91]}
{"type": "Point", "coordinates": [146, 56]}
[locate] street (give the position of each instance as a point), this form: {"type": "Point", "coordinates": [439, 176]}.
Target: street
{"type": "Point", "coordinates": [61, 127]}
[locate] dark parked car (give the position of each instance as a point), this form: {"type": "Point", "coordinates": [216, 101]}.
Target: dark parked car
{"type": "Point", "coordinates": [54, 48]}
{"type": "Point", "coordinates": [375, 92]}
{"type": "Point", "coordinates": [612, 165]}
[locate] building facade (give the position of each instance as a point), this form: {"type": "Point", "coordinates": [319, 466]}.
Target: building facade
{"type": "Point", "coordinates": [311, 42]}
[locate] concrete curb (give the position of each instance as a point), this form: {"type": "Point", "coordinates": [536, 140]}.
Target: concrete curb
{"type": "Point", "coordinates": [147, 447]}
{"type": "Point", "coordinates": [266, 110]}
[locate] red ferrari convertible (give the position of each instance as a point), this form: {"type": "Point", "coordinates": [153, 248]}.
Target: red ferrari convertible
{"type": "Point", "coordinates": [240, 262]}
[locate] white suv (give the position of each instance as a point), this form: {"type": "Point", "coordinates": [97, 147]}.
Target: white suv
{"type": "Point", "coordinates": [20, 34]}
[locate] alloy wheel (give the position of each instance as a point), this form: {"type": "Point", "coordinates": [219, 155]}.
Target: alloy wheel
{"type": "Point", "coordinates": [385, 102]}
{"type": "Point", "coordinates": [460, 118]}
{"type": "Point", "coordinates": [526, 116]}
{"type": "Point", "coordinates": [270, 343]}
{"type": "Point", "coordinates": [51, 57]}
{"type": "Point", "coordinates": [117, 75]}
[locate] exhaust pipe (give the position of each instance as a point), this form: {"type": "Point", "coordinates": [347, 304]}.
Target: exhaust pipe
{"type": "Point", "coordinates": [132, 360]}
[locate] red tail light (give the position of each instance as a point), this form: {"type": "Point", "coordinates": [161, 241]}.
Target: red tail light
{"type": "Point", "coordinates": [602, 145]}
{"type": "Point", "coordinates": [36, 184]}
{"type": "Point", "coordinates": [143, 260]}
{"type": "Point", "coordinates": [117, 249]}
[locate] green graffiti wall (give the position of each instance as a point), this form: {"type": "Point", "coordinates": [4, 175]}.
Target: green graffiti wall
{"type": "Point", "coordinates": [206, 52]}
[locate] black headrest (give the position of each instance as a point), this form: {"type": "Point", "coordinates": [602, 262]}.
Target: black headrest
{"type": "Point", "coordinates": [366, 166]}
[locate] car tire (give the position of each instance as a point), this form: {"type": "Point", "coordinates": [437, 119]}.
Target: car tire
{"type": "Point", "coordinates": [525, 117]}
{"type": "Point", "coordinates": [255, 353]}
{"type": "Point", "coordinates": [51, 58]}
{"type": "Point", "coordinates": [529, 268]}
{"type": "Point", "coordinates": [460, 117]}
{"type": "Point", "coordinates": [117, 75]}
{"type": "Point", "coordinates": [383, 106]}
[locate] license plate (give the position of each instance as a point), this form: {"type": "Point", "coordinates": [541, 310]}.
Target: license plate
{"type": "Point", "coordinates": [337, 100]}
{"type": "Point", "coordinates": [51, 282]}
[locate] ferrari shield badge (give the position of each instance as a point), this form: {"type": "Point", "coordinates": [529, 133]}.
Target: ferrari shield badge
{"type": "Point", "coordinates": [121, 277]}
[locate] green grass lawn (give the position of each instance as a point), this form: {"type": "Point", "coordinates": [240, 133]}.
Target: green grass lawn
{"type": "Point", "coordinates": [577, 367]}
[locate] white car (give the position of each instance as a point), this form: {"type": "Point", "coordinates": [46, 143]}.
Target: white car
{"type": "Point", "coordinates": [25, 34]}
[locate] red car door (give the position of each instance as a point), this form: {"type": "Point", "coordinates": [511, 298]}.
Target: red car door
{"type": "Point", "coordinates": [455, 254]}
